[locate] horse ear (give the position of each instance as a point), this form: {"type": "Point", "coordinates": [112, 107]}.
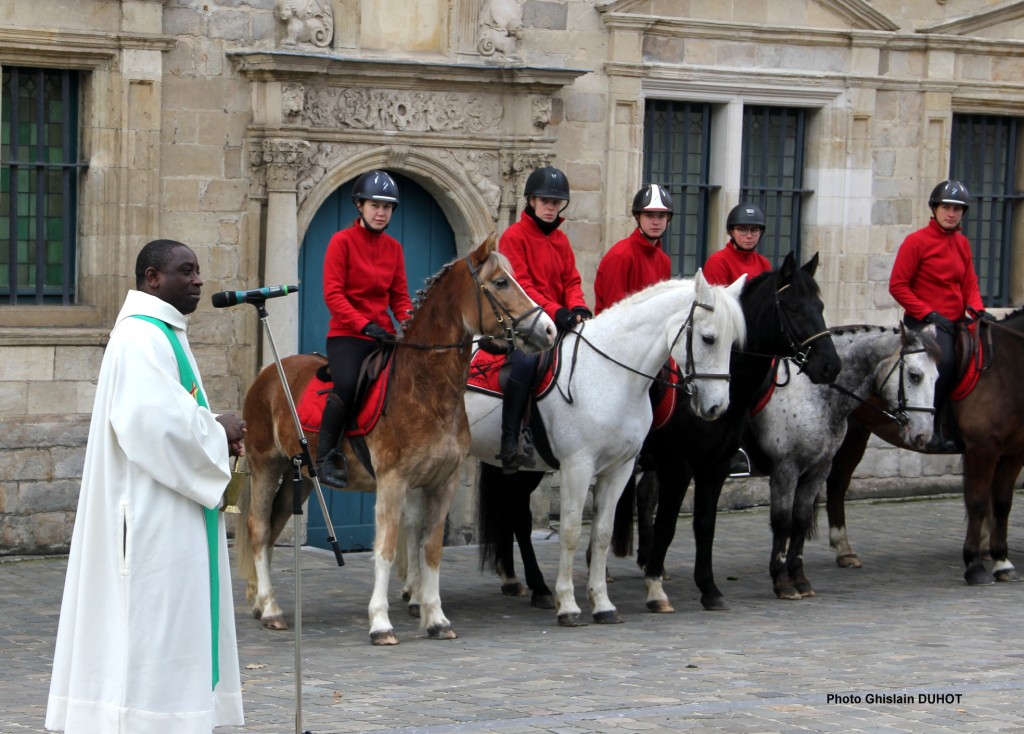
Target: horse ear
{"type": "Point", "coordinates": [811, 266]}
{"type": "Point", "coordinates": [700, 284]}
{"type": "Point", "coordinates": [484, 250]}
{"type": "Point", "coordinates": [736, 287]}
{"type": "Point", "coordinates": [788, 267]}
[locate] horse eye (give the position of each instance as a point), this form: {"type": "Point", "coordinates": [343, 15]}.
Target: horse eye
{"type": "Point", "coordinates": [915, 378]}
{"type": "Point", "coordinates": [709, 339]}
{"type": "Point", "coordinates": [501, 283]}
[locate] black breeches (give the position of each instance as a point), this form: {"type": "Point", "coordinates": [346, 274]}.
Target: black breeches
{"type": "Point", "coordinates": [524, 367]}
{"type": "Point", "coordinates": [345, 355]}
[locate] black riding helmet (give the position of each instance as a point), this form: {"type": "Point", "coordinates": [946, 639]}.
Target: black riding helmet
{"type": "Point", "coordinates": [746, 214]}
{"type": "Point", "coordinates": [652, 198]}
{"type": "Point", "coordinates": [547, 183]}
{"type": "Point", "coordinates": [950, 191]}
{"type": "Point", "coordinates": [377, 186]}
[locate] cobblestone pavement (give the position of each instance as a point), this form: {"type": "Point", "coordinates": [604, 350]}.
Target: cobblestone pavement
{"type": "Point", "coordinates": [906, 627]}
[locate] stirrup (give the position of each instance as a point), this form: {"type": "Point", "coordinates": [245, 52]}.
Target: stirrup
{"type": "Point", "coordinates": [331, 471]}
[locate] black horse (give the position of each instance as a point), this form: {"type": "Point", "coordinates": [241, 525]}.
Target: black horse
{"type": "Point", "coordinates": [783, 310]}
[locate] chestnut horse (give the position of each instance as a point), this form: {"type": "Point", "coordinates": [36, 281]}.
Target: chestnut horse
{"type": "Point", "coordinates": [417, 445]}
{"type": "Point", "coordinates": [991, 423]}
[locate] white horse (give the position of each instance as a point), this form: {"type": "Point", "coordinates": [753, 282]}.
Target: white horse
{"type": "Point", "coordinates": [802, 426]}
{"type": "Point", "coordinates": [598, 413]}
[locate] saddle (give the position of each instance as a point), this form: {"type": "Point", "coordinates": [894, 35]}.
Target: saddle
{"type": "Point", "coordinates": [975, 357]}
{"type": "Point", "coordinates": [370, 400]}
{"type": "Point", "coordinates": [488, 373]}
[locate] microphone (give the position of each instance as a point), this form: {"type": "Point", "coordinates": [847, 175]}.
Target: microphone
{"type": "Point", "coordinates": [223, 299]}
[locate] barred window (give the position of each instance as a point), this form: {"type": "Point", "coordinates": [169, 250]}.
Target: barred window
{"type": "Point", "coordinates": [39, 172]}
{"type": "Point", "coordinates": [772, 174]}
{"type": "Point", "coordinates": [983, 155]}
{"type": "Point", "coordinates": [677, 155]}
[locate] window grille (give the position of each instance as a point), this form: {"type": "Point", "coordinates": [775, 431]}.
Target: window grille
{"type": "Point", "coordinates": [772, 174]}
{"type": "Point", "coordinates": [677, 155]}
{"type": "Point", "coordinates": [984, 151]}
{"type": "Point", "coordinates": [39, 171]}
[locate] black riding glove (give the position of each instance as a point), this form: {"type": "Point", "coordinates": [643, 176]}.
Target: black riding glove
{"type": "Point", "coordinates": [986, 315]}
{"type": "Point", "coordinates": [941, 322]}
{"type": "Point", "coordinates": [583, 312]}
{"type": "Point", "coordinates": [565, 319]}
{"type": "Point", "coordinates": [376, 331]}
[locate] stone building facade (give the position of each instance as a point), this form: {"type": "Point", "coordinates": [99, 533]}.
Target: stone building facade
{"type": "Point", "coordinates": [230, 124]}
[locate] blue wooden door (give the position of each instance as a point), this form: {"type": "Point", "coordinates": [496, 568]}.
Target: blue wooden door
{"type": "Point", "coordinates": [427, 243]}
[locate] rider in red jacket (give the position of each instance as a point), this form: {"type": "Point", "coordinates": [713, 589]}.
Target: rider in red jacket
{"type": "Point", "coordinates": [364, 277]}
{"type": "Point", "coordinates": [545, 266]}
{"type": "Point", "coordinates": [639, 260]}
{"type": "Point", "coordinates": [745, 225]}
{"type": "Point", "coordinates": [933, 279]}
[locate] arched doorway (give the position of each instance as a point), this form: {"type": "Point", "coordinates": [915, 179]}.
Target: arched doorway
{"type": "Point", "coordinates": [427, 243]}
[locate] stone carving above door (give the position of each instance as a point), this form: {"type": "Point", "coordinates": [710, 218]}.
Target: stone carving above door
{"type": "Point", "coordinates": [381, 109]}
{"type": "Point", "coordinates": [501, 30]}
{"type": "Point", "coordinates": [306, 22]}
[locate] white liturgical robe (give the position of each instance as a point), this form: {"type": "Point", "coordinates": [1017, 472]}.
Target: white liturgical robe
{"type": "Point", "coordinates": [133, 652]}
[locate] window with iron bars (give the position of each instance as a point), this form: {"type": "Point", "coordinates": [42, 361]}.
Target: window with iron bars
{"type": "Point", "coordinates": [772, 175]}
{"type": "Point", "coordinates": [39, 173]}
{"type": "Point", "coordinates": [984, 151]}
{"type": "Point", "coordinates": [677, 155]}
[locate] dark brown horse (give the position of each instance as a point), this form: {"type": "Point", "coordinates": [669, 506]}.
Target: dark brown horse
{"type": "Point", "coordinates": [991, 422]}
{"type": "Point", "coordinates": [417, 445]}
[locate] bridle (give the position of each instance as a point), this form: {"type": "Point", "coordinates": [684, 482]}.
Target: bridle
{"type": "Point", "coordinates": [800, 350]}
{"type": "Point", "coordinates": [685, 378]}
{"type": "Point", "coordinates": [503, 316]}
{"type": "Point", "coordinates": [899, 417]}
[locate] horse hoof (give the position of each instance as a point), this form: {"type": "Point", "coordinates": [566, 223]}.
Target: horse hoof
{"type": "Point", "coordinates": [513, 589]}
{"type": "Point", "coordinates": [850, 560]}
{"type": "Point", "coordinates": [383, 637]}
{"type": "Point", "coordinates": [609, 616]}
{"type": "Point", "coordinates": [274, 623]}
{"type": "Point", "coordinates": [660, 606]}
{"type": "Point", "coordinates": [570, 620]}
{"type": "Point", "coordinates": [441, 632]}
{"type": "Point", "coordinates": [414, 610]}
{"type": "Point", "coordinates": [1008, 574]}
{"type": "Point", "coordinates": [714, 604]}
{"type": "Point", "coordinates": [543, 601]}
{"type": "Point", "coordinates": [787, 592]}
{"type": "Point", "coordinates": [976, 575]}
{"type": "Point", "coordinates": [804, 589]}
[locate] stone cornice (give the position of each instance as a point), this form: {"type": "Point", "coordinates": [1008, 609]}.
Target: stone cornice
{"type": "Point", "coordinates": [1007, 12]}
{"type": "Point", "coordinates": [68, 46]}
{"type": "Point", "coordinates": [804, 36]}
{"type": "Point", "coordinates": [858, 13]}
{"type": "Point", "coordinates": [345, 71]}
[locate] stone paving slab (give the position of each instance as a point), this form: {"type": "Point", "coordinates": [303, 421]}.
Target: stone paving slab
{"type": "Point", "coordinates": [906, 644]}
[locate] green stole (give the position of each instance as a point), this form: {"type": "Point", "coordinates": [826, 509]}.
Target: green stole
{"type": "Point", "coordinates": [188, 381]}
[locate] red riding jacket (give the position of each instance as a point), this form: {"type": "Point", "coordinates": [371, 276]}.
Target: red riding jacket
{"type": "Point", "coordinates": [544, 265]}
{"type": "Point", "coordinates": [629, 266]}
{"type": "Point", "coordinates": [729, 263]}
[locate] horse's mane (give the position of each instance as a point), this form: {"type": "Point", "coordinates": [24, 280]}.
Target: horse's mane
{"type": "Point", "coordinates": [493, 261]}
{"type": "Point", "coordinates": [930, 344]}
{"type": "Point", "coordinates": [730, 314]}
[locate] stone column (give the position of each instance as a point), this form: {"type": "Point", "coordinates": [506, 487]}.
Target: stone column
{"type": "Point", "coordinates": [283, 159]}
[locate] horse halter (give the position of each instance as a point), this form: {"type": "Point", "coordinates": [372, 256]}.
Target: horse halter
{"type": "Point", "coordinates": [899, 417]}
{"type": "Point", "coordinates": [690, 374]}
{"type": "Point", "coordinates": [801, 349]}
{"type": "Point", "coordinates": [503, 316]}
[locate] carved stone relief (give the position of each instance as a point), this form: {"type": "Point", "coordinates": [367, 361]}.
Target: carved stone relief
{"type": "Point", "coordinates": [275, 164]}
{"type": "Point", "coordinates": [306, 22]}
{"type": "Point", "coordinates": [376, 109]}
{"type": "Point", "coordinates": [541, 109]}
{"type": "Point", "coordinates": [482, 171]}
{"type": "Point", "coordinates": [501, 30]}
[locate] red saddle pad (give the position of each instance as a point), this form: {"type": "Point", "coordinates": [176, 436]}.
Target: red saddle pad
{"type": "Point", "coordinates": [314, 397]}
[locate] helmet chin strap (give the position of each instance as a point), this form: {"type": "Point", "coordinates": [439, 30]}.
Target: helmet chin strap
{"type": "Point", "coordinates": [368, 226]}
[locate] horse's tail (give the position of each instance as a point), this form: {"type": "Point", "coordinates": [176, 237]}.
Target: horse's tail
{"type": "Point", "coordinates": [622, 526]}
{"type": "Point", "coordinates": [494, 514]}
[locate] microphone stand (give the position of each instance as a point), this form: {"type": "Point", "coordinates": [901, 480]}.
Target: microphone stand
{"type": "Point", "coordinates": [299, 460]}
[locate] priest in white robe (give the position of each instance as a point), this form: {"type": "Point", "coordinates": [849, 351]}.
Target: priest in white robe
{"type": "Point", "coordinates": [143, 646]}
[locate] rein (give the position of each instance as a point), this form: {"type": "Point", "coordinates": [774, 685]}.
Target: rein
{"type": "Point", "coordinates": [801, 350]}
{"type": "Point", "coordinates": [686, 378]}
{"type": "Point", "coordinates": [501, 314]}
{"type": "Point", "coordinates": [900, 417]}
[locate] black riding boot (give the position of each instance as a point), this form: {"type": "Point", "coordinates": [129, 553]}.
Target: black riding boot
{"type": "Point", "coordinates": [940, 442]}
{"type": "Point", "coordinates": [513, 405]}
{"type": "Point", "coordinates": [331, 467]}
